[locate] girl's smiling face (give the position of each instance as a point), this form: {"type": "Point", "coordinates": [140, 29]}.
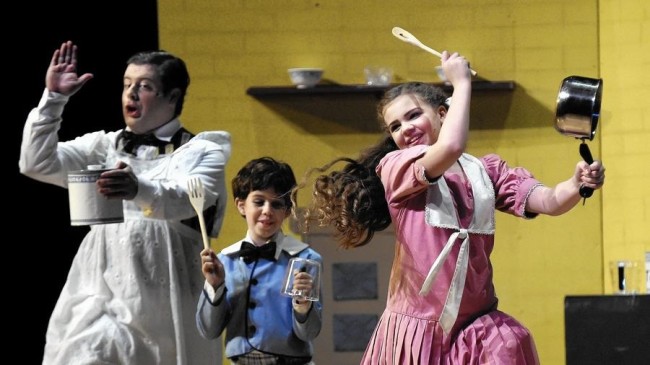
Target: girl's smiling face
{"type": "Point", "coordinates": [411, 121]}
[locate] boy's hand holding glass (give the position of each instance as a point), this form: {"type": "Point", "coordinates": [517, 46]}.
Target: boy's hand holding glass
{"type": "Point", "coordinates": [302, 282]}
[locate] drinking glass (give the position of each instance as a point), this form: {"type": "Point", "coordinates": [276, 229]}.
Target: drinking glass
{"type": "Point", "coordinates": [625, 276]}
{"type": "Point", "coordinates": [291, 287]}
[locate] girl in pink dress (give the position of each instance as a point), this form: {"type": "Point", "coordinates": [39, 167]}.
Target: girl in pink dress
{"type": "Point", "coordinates": [441, 307]}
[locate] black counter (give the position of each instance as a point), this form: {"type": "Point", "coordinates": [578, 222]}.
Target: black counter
{"type": "Point", "coordinates": [607, 329]}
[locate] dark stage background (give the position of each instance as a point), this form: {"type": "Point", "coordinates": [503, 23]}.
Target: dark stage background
{"type": "Point", "coordinates": [44, 243]}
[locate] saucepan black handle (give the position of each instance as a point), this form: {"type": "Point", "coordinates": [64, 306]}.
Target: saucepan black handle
{"type": "Point", "coordinates": [586, 192]}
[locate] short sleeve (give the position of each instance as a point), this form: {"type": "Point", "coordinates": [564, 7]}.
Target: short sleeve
{"type": "Point", "coordinates": [401, 175]}
{"type": "Point", "coordinates": [512, 185]}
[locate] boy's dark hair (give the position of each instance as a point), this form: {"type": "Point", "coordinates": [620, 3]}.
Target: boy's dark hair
{"type": "Point", "coordinates": [171, 70]}
{"type": "Point", "coordinates": [265, 173]}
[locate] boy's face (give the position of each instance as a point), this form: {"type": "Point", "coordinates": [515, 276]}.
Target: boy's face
{"type": "Point", "coordinates": [143, 104]}
{"type": "Point", "coordinates": [264, 213]}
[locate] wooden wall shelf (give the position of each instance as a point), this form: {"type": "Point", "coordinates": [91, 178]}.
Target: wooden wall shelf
{"type": "Point", "coordinates": [361, 89]}
{"type": "Point", "coordinates": [351, 108]}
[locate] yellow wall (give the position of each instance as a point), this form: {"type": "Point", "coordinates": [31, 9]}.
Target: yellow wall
{"type": "Point", "coordinates": [624, 60]}
{"type": "Point", "coordinates": [230, 45]}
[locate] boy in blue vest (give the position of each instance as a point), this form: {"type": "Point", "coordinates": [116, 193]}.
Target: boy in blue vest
{"type": "Point", "coordinates": [242, 292]}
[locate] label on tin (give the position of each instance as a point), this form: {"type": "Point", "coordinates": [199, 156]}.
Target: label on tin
{"type": "Point", "coordinates": [87, 205]}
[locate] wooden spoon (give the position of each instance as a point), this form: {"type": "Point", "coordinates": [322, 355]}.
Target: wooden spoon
{"type": "Point", "coordinates": [407, 37]}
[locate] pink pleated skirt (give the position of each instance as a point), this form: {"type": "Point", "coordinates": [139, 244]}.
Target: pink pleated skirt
{"type": "Point", "coordinates": [493, 338]}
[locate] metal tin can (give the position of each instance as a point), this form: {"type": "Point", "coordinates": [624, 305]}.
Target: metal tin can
{"type": "Point", "coordinates": [87, 205]}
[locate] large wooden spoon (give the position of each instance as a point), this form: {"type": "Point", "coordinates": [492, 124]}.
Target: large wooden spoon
{"type": "Point", "coordinates": [407, 37]}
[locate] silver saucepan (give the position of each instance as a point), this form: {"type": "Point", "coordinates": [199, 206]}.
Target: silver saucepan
{"type": "Point", "coordinates": [577, 113]}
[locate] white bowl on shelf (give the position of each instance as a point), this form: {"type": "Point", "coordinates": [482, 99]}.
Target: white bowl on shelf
{"type": "Point", "coordinates": [304, 77]}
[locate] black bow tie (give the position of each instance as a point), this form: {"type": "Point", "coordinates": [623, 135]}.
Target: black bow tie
{"type": "Point", "coordinates": [132, 141]}
{"type": "Point", "coordinates": [249, 252]}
